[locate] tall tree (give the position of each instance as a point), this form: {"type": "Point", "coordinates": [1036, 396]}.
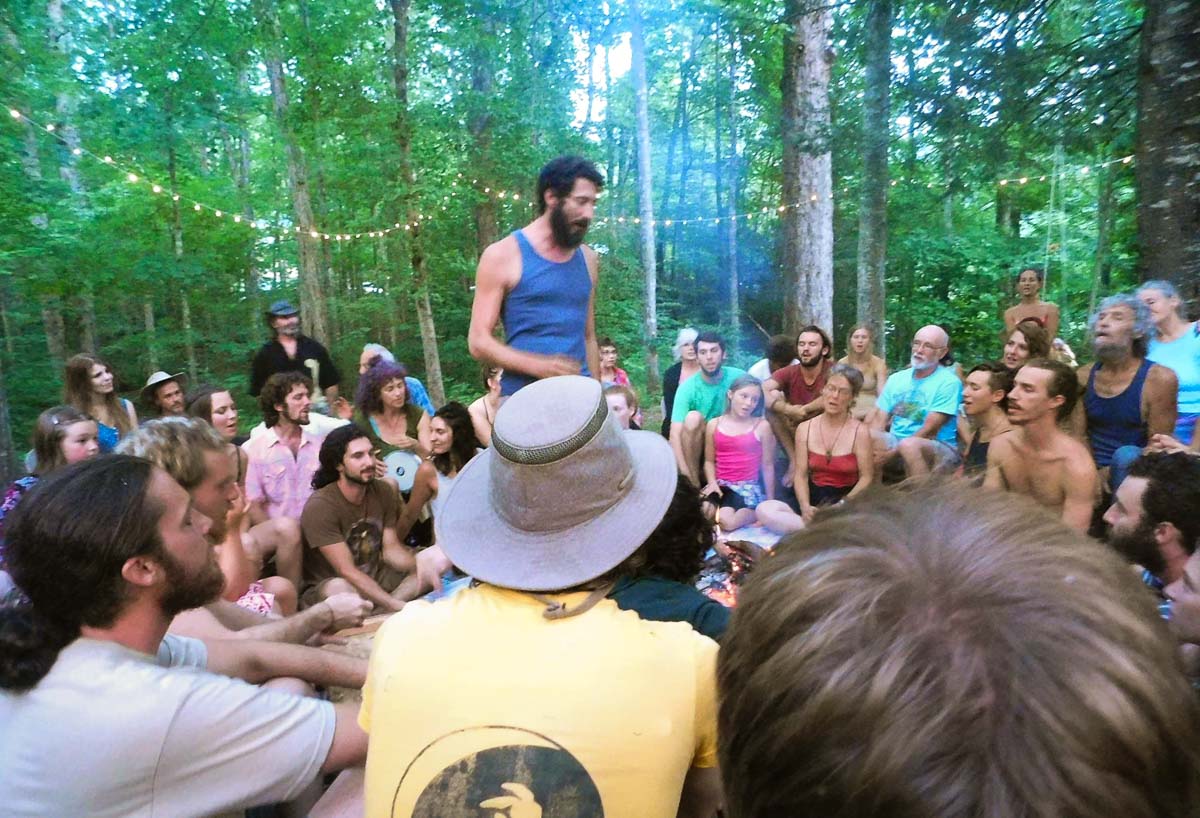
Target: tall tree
{"type": "Point", "coordinates": [637, 46]}
{"type": "Point", "coordinates": [402, 128]}
{"type": "Point", "coordinates": [1168, 146]}
{"type": "Point", "coordinates": [312, 293]}
{"type": "Point", "coordinates": [807, 223]}
{"type": "Point", "coordinates": [872, 212]}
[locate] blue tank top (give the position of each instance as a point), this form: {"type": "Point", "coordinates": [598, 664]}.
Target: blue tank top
{"type": "Point", "coordinates": [547, 311]}
{"type": "Point", "coordinates": [1116, 421]}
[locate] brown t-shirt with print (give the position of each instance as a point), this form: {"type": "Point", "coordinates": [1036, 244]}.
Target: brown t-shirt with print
{"type": "Point", "coordinates": [330, 518]}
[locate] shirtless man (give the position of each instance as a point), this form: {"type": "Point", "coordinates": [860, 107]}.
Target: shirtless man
{"type": "Point", "coordinates": [1038, 459]}
{"type": "Point", "coordinates": [1029, 285]}
{"type": "Point", "coordinates": [541, 281]}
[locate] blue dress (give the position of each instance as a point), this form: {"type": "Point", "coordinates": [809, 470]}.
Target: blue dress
{"type": "Point", "coordinates": [109, 436]}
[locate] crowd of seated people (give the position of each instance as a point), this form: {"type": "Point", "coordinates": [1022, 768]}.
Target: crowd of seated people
{"type": "Point", "coordinates": [179, 575]}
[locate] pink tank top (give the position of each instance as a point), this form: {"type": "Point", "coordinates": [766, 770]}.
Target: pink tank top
{"type": "Point", "coordinates": [738, 457]}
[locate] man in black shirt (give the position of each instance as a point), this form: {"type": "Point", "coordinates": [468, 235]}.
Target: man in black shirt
{"type": "Point", "coordinates": [290, 351]}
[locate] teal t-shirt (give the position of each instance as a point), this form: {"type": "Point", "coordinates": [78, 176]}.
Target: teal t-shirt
{"type": "Point", "coordinates": [908, 400]}
{"type": "Point", "coordinates": [697, 394]}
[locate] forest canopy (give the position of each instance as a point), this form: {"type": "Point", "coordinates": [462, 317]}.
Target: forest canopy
{"type": "Point", "coordinates": [182, 164]}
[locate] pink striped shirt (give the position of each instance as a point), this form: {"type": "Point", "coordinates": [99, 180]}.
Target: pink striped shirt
{"type": "Point", "coordinates": [281, 480]}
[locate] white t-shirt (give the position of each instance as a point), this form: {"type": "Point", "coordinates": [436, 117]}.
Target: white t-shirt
{"type": "Point", "coordinates": [761, 368]}
{"type": "Point", "coordinates": [113, 732]}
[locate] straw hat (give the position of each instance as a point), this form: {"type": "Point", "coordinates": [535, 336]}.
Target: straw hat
{"type": "Point", "coordinates": [156, 380]}
{"type": "Point", "coordinates": [562, 496]}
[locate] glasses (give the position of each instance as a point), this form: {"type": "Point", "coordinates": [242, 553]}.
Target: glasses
{"type": "Point", "coordinates": [925, 346]}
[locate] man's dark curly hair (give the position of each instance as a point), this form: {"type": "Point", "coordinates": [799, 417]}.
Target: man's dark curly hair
{"type": "Point", "coordinates": [675, 549]}
{"type": "Point", "coordinates": [275, 391]}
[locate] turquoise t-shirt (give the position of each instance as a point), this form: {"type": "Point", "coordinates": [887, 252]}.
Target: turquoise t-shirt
{"type": "Point", "coordinates": [1183, 356]}
{"type": "Point", "coordinates": [697, 394]}
{"type": "Point", "coordinates": [908, 400]}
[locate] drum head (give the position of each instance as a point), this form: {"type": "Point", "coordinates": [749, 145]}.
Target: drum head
{"type": "Point", "coordinates": [402, 467]}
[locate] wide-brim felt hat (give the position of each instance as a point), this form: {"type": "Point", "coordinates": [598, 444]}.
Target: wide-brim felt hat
{"type": "Point", "coordinates": [562, 496]}
{"type": "Point", "coordinates": [157, 379]}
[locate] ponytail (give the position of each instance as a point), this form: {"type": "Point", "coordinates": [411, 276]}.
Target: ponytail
{"type": "Point", "coordinates": [29, 646]}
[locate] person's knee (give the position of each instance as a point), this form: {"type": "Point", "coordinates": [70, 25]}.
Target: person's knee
{"type": "Point", "coordinates": [284, 591]}
{"type": "Point", "coordinates": [693, 422]}
{"type": "Point", "coordinates": [290, 684]}
{"type": "Point", "coordinates": [1122, 461]}
{"type": "Point", "coordinates": [285, 531]}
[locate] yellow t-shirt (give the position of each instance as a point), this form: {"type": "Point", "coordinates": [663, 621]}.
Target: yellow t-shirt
{"type": "Point", "coordinates": [478, 704]}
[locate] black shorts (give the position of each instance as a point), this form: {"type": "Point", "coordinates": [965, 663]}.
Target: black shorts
{"type": "Point", "coordinates": [727, 499]}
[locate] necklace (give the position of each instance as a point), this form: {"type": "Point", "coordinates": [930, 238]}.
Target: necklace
{"type": "Point", "coordinates": [829, 449]}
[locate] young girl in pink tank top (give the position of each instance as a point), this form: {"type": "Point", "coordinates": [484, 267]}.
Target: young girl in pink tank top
{"type": "Point", "coordinates": [739, 462]}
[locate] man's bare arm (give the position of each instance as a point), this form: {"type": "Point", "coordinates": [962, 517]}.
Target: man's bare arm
{"type": "Point", "coordinates": [349, 747]}
{"type": "Point", "coordinates": [676, 438]}
{"type": "Point", "coordinates": [342, 561]}
{"type": "Point", "coordinates": [998, 450]}
{"type": "Point", "coordinates": [256, 662]}
{"type": "Point", "coordinates": [1079, 495]}
{"type": "Point", "coordinates": [934, 421]}
{"type": "Point", "coordinates": [1161, 397]}
{"type": "Point", "coordinates": [1078, 421]}
{"type": "Point", "coordinates": [494, 278]}
{"type": "Point", "coordinates": [592, 350]}
{"type": "Point", "coordinates": [234, 622]}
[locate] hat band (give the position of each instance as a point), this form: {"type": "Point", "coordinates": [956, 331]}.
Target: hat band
{"type": "Point", "coordinates": [552, 452]}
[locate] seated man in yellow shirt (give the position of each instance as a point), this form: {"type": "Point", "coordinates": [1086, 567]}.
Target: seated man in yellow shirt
{"type": "Point", "coordinates": [531, 692]}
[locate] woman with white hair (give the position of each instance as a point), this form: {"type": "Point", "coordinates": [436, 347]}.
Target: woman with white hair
{"type": "Point", "coordinates": [685, 366]}
{"type": "Point", "coordinates": [1176, 345]}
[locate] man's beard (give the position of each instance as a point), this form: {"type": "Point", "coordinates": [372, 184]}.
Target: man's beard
{"type": "Point", "coordinates": [300, 420]}
{"type": "Point", "coordinates": [809, 363]}
{"type": "Point", "coordinates": [360, 481]}
{"type": "Point", "coordinates": [1108, 352]}
{"type": "Point", "coordinates": [291, 330]}
{"type": "Point", "coordinates": [565, 233]}
{"type": "Point", "coordinates": [1140, 547]}
{"type": "Point", "coordinates": [185, 591]}
{"type": "Point", "coordinates": [921, 365]}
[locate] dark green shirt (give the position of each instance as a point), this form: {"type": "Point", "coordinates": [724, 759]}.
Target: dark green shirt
{"type": "Point", "coordinates": [664, 600]}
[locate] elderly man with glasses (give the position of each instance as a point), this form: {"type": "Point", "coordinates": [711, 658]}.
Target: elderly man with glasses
{"type": "Point", "coordinates": [917, 406]}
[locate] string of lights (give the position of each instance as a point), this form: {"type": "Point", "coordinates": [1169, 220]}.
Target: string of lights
{"type": "Point", "coordinates": [135, 176]}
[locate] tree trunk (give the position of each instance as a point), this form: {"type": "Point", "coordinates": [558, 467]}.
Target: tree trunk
{"type": "Point", "coordinates": [86, 310]}
{"type": "Point", "coordinates": [480, 126]}
{"type": "Point", "coordinates": [807, 223]}
{"type": "Point", "coordinates": [1168, 146]}
{"type": "Point", "coordinates": [731, 196]}
{"type": "Point", "coordinates": [6, 321]}
{"type": "Point", "coordinates": [1104, 217]}
{"type": "Point", "coordinates": [9, 460]}
{"type": "Point", "coordinates": [312, 296]}
{"type": "Point", "coordinates": [185, 313]}
{"type": "Point", "coordinates": [645, 192]}
{"type": "Point", "coordinates": [872, 212]}
{"type": "Point", "coordinates": [242, 180]}
{"type": "Point", "coordinates": [669, 173]}
{"type": "Point", "coordinates": [177, 248]}
{"type": "Point", "coordinates": [151, 334]}
{"type": "Point", "coordinates": [610, 136]}
{"type": "Point", "coordinates": [56, 336]}
{"type": "Point", "coordinates": [403, 132]}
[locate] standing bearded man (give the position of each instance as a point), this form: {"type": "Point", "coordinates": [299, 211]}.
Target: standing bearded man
{"type": "Point", "coordinates": [541, 281]}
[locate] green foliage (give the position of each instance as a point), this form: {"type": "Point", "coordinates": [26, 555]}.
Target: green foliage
{"type": "Point", "coordinates": [980, 91]}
